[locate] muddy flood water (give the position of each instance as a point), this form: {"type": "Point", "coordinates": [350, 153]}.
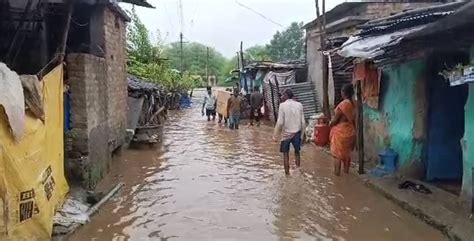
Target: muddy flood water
{"type": "Point", "coordinates": [206, 182]}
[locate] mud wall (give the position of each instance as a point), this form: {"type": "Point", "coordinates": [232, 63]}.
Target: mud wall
{"type": "Point", "coordinates": [399, 122]}
{"type": "Point", "coordinates": [314, 60]}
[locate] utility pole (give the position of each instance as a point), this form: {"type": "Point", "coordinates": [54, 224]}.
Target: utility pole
{"type": "Point", "coordinates": [181, 52]}
{"type": "Point", "coordinates": [242, 62]}
{"type": "Point", "coordinates": [207, 66]}
{"type": "Point", "coordinates": [324, 62]}
{"type": "Point", "coordinates": [238, 60]}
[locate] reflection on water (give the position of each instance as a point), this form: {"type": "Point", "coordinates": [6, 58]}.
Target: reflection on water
{"type": "Point", "coordinates": [210, 183]}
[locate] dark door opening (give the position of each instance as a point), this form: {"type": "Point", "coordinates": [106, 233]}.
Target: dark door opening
{"type": "Point", "coordinates": [444, 156]}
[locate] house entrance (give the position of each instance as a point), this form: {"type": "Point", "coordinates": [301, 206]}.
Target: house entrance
{"type": "Point", "coordinates": [444, 157]}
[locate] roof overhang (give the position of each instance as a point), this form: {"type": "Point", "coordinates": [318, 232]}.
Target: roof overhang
{"type": "Point", "coordinates": [347, 22]}
{"type": "Point", "coordinates": [462, 17]}
{"type": "Point", "coordinates": [372, 47]}
{"type": "Point", "coordinates": [141, 3]}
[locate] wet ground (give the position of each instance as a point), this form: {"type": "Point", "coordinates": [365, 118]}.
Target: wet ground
{"type": "Point", "coordinates": [210, 183]}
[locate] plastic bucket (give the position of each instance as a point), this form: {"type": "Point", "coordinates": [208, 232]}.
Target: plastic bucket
{"type": "Point", "coordinates": [388, 159]}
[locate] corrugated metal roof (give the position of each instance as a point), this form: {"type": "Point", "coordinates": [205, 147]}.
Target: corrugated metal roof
{"type": "Point", "coordinates": [380, 36]}
{"type": "Point", "coordinates": [141, 3]}
{"type": "Point", "coordinates": [463, 16]}
{"type": "Point", "coordinates": [304, 93]}
{"type": "Point", "coordinates": [342, 74]}
{"type": "Point", "coordinates": [409, 19]}
{"type": "Point", "coordinates": [288, 65]}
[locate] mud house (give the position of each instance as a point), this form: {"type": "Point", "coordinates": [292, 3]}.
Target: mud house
{"type": "Point", "coordinates": [422, 104]}
{"type": "Point", "coordinates": [341, 22]}
{"type": "Point", "coordinates": [95, 73]}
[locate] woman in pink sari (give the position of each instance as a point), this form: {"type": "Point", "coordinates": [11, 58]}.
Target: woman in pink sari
{"type": "Point", "coordinates": [343, 133]}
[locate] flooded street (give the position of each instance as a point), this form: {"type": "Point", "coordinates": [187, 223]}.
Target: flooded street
{"type": "Point", "coordinates": [207, 182]}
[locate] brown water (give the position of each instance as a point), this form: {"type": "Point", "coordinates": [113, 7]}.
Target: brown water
{"type": "Point", "coordinates": [209, 183]}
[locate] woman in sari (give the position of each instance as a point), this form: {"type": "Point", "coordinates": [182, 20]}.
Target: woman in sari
{"type": "Point", "coordinates": [343, 133]}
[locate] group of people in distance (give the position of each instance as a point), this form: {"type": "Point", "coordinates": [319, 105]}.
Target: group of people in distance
{"type": "Point", "coordinates": [234, 107]}
{"type": "Point", "coordinates": [290, 126]}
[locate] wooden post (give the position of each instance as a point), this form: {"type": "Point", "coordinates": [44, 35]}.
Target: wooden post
{"type": "Point", "coordinates": [62, 48]}
{"type": "Point", "coordinates": [324, 62]}
{"type": "Point", "coordinates": [44, 49]}
{"type": "Point", "coordinates": [14, 41]}
{"type": "Point", "coordinates": [242, 61]}
{"type": "Point", "coordinates": [273, 101]}
{"type": "Point", "coordinates": [207, 66]}
{"type": "Point", "coordinates": [181, 51]}
{"type": "Point", "coordinates": [360, 128]}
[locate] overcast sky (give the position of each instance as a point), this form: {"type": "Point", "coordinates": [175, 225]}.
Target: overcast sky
{"type": "Point", "coordinates": [222, 24]}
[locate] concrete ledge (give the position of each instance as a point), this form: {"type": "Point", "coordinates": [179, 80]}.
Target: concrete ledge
{"type": "Point", "coordinates": [440, 209]}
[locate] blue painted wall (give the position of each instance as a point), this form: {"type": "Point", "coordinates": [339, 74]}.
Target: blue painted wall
{"type": "Point", "coordinates": [468, 145]}
{"type": "Point", "coordinates": [394, 122]}
{"type": "Point", "coordinates": [468, 142]}
{"type": "Point", "coordinates": [446, 121]}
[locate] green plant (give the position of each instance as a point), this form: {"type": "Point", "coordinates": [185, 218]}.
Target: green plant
{"type": "Point", "coordinates": [145, 60]}
{"type": "Point", "coordinates": [455, 71]}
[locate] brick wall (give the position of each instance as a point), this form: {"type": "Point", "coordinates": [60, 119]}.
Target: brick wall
{"type": "Point", "coordinates": [87, 160]}
{"type": "Point", "coordinates": [98, 87]}
{"type": "Point", "coordinates": [115, 44]}
{"type": "Point", "coordinates": [379, 10]}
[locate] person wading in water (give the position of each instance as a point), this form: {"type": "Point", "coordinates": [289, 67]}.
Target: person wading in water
{"type": "Point", "coordinates": [343, 132]}
{"type": "Point", "coordinates": [210, 104]}
{"type": "Point", "coordinates": [256, 104]}
{"type": "Point", "coordinates": [233, 110]}
{"type": "Point", "coordinates": [291, 126]}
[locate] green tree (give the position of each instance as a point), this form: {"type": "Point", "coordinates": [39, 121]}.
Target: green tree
{"type": "Point", "coordinates": [228, 77]}
{"type": "Point", "coordinates": [258, 53]}
{"type": "Point", "coordinates": [287, 45]}
{"type": "Point", "coordinates": [195, 57]}
{"type": "Point", "coordinates": [139, 44]}
{"type": "Point", "coordinates": [145, 59]}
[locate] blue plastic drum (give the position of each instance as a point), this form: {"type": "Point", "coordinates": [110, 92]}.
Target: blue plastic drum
{"type": "Point", "coordinates": [388, 159]}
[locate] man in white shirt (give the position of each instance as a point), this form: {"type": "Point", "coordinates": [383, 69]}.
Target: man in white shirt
{"type": "Point", "coordinates": [210, 104]}
{"type": "Point", "coordinates": [290, 125]}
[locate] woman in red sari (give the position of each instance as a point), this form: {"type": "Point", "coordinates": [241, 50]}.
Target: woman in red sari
{"type": "Point", "coordinates": [343, 132]}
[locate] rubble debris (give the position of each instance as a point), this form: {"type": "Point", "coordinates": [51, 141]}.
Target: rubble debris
{"type": "Point", "coordinates": [33, 97]}
{"type": "Point", "coordinates": [72, 213]}
{"type": "Point", "coordinates": [12, 100]}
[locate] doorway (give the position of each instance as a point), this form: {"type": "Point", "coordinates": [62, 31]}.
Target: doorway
{"type": "Point", "coordinates": [446, 119]}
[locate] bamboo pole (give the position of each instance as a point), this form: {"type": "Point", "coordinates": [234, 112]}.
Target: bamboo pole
{"type": "Point", "coordinates": [156, 114]}
{"type": "Point", "coordinates": [324, 62]}
{"type": "Point", "coordinates": [207, 66]}
{"type": "Point", "coordinates": [360, 128]}
{"type": "Point", "coordinates": [63, 44]}
{"type": "Point", "coordinates": [96, 207]}
{"type": "Point", "coordinates": [14, 41]}
{"type": "Point", "coordinates": [106, 198]}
